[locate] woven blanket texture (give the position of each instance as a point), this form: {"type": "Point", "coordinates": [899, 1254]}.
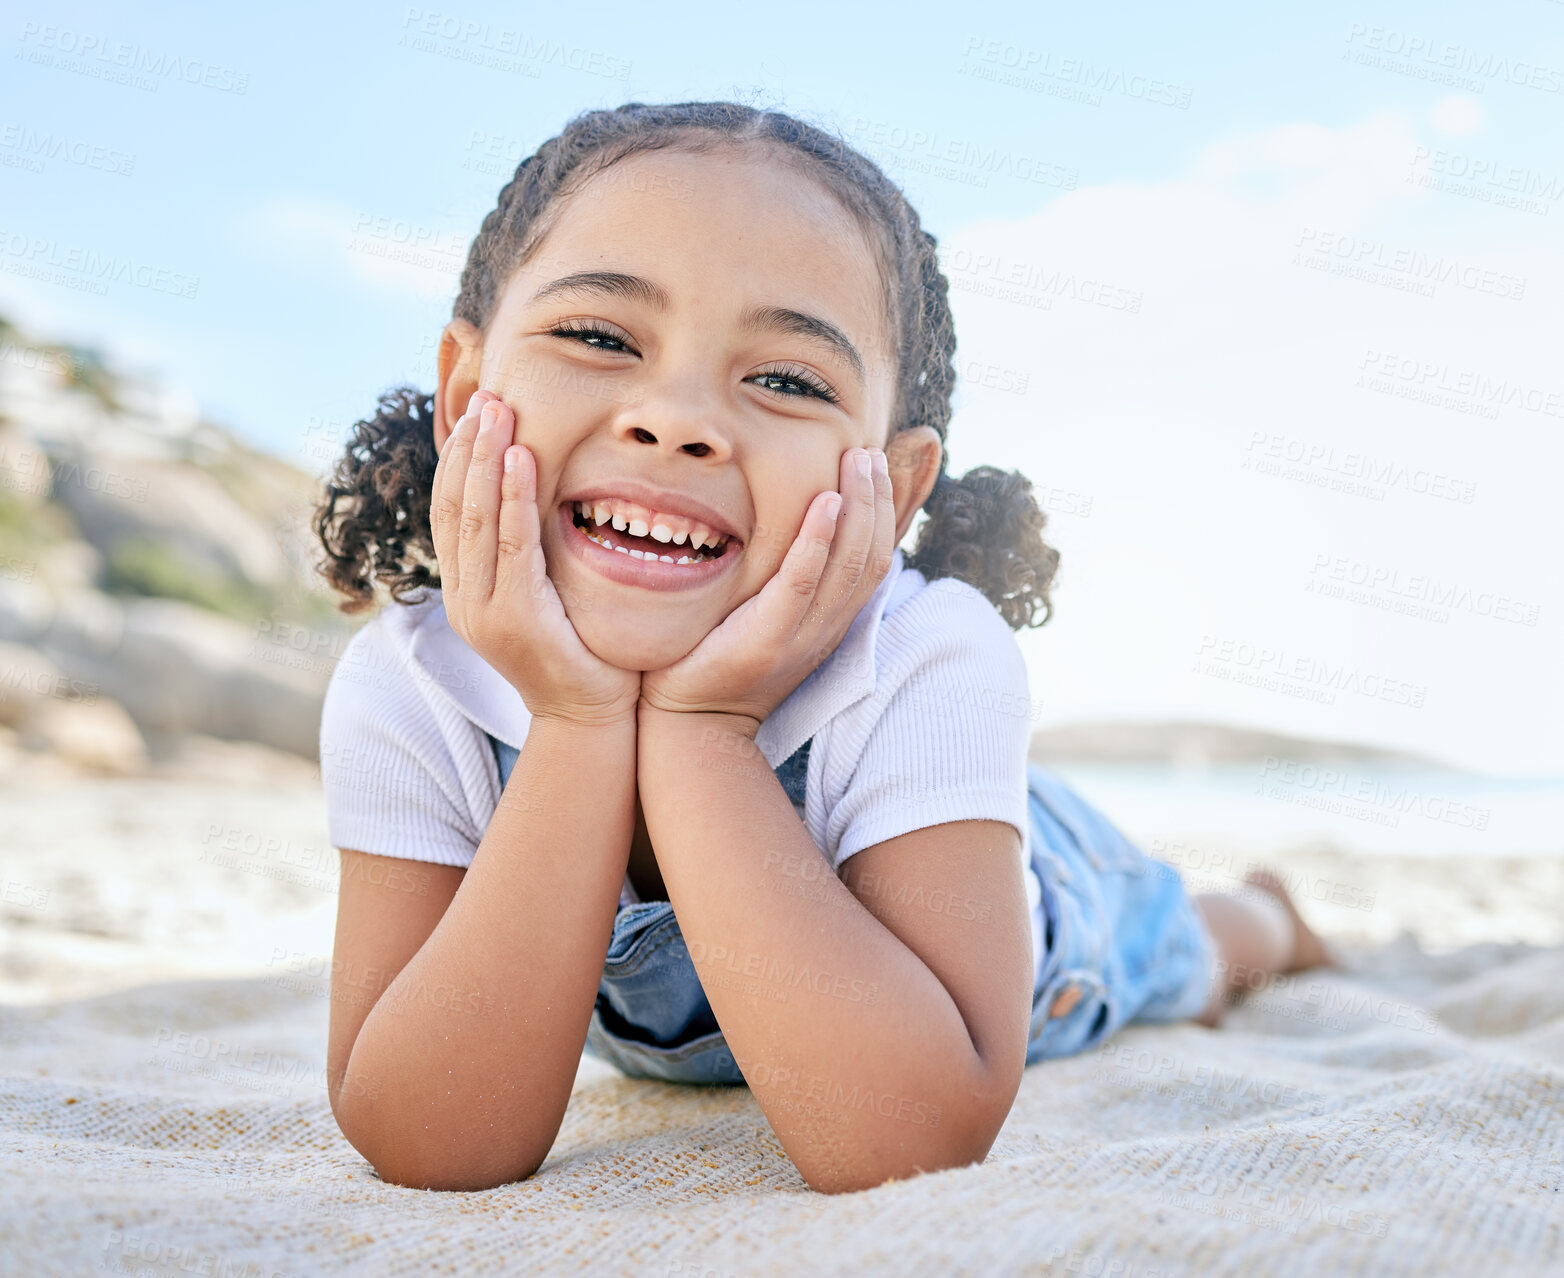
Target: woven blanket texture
{"type": "Point", "coordinates": [1404, 1115]}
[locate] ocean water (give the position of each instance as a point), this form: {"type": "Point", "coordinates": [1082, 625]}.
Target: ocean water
{"type": "Point", "coordinates": [1275, 805]}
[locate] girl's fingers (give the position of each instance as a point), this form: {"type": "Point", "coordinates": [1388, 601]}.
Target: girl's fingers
{"type": "Point", "coordinates": [883, 545]}
{"type": "Point", "coordinates": [445, 505]}
{"type": "Point", "coordinates": [481, 501]}
{"type": "Point", "coordinates": [852, 550]}
{"type": "Point", "coordinates": [785, 602]}
{"type": "Point", "coordinates": [519, 572]}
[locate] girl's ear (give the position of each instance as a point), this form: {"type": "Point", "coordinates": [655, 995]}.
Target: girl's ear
{"type": "Point", "coordinates": [913, 458]}
{"type": "Point", "coordinates": [460, 363]}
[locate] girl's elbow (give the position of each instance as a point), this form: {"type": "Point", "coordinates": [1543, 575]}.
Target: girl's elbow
{"type": "Point", "coordinates": [406, 1158]}
{"type": "Point", "coordinates": [935, 1154]}
{"type": "Point", "coordinates": [415, 1168]}
{"type": "Point", "coordinates": [842, 1181]}
{"type": "Point", "coordinates": [422, 1172]}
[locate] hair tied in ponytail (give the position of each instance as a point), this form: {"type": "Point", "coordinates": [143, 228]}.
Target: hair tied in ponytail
{"type": "Point", "coordinates": [985, 529]}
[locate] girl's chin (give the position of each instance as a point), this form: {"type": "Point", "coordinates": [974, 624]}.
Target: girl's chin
{"type": "Point", "coordinates": [632, 647]}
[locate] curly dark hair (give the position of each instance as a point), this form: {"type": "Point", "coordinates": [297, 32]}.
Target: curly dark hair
{"type": "Point", "coordinates": [984, 528]}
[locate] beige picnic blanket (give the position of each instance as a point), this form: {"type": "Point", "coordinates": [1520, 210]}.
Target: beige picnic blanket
{"type": "Point", "coordinates": [1402, 1116]}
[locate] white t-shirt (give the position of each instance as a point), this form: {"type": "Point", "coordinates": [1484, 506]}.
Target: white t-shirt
{"type": "Point", "coordinates": [921, 716]}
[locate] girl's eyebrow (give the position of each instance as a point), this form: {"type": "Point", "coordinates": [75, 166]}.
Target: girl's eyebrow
{"type": "Point", "coordinates": [634, 288]}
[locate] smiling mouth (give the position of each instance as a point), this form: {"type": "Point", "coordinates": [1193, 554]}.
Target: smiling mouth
{"type": "Point", "coordinates": [619, 534]}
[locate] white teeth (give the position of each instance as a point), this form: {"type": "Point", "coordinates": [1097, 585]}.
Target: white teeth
{"type": "Point", "coordinates": [598, 513]}
{"type": "Point", "coordinates": [645, 554]}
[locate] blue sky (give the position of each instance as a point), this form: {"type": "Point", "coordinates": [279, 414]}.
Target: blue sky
{"type": "Point", "coordinates": [1225, 168]}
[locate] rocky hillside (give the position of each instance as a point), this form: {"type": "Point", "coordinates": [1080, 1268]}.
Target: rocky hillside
{"type": "Point", "coordinates": [157, 594]}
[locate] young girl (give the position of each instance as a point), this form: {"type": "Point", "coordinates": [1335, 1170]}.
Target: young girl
{"type": "Point", "coordinates": [699, 769]}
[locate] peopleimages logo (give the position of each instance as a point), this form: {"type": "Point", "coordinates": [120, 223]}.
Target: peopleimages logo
{"type": "Point", "coordinates": [963, 153]}
{"type": "Point", "coordinates": [1440, 60]}
{"type": "Point", "coordinates": [38, 147]}
{"type": "Point", "coordinates": [1349, 471]}
{"type": "Point", "coordinates": [39, 256]}
{"type": "Point", "coordinates": [1029, 67]}
{"type": "Point", "coordinates": [1415, 594]}
{"type": "Point", "coordinates": [1335, 789]}
{"type": "Point", "coordinates": [119, 60]}
{"type": "Point", "coordinates": [1410, 269]}
{"type": "Point", "coordinates": [1435, 381]}
{"type": "Point", "coordinates": [1278, 670]}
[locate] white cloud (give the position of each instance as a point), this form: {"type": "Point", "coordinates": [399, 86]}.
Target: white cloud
{"type": "Point", "coordinates": [1458, 115]}
{"type": "Point", "coordinates": [386, 252]}
{"type": "Point", "coordinates": [1172, 332]}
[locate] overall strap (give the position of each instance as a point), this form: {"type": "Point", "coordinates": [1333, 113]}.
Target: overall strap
{"type": "Point", "coordinates": [792, 771]}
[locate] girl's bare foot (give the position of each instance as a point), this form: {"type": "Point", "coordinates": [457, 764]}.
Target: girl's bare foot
{"type": "Point", "coordinates": [1308, 949]}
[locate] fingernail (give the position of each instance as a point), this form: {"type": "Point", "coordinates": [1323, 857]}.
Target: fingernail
{"type": "Point", "coordinates": [880, 463]}
{"type": "Point", "coordinates": [833, 505]}
{"type": "Point", "coordinates": [490, 415]}
{"type": "Point", "coordinates": [472, 403]}
{"type": "Point", "coordinates": [861, 460]}
{"type": "Point", "coordinates": [510, 460]}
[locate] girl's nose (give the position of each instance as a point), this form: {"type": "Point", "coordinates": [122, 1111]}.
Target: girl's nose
{"type": "Point", "coordinates": [695, 447]}
{"type": "Point", "coordinates": [677, 424]}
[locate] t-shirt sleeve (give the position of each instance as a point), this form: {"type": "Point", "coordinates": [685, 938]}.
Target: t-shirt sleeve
{"type": "Point", "coordinates": [951, 742]}
{"type": "Point", "coordinates": [392, 787]}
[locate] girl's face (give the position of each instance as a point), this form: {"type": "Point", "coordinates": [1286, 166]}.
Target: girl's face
{"type": "Point", "coordinates": [692, 346]}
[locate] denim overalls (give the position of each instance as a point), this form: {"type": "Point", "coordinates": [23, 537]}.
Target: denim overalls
{"type": "Point", "coordinates": [1122, 941]}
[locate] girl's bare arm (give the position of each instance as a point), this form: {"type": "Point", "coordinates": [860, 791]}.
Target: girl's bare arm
{"type": "Point", "coordinates": [458, 1017]}
{"type": "Point", "coordinates": [453, 1068]}
{"type": "Point", "coordinates": [878, 1040]}
{"type": "Point", "coordinates": [881, 1018]}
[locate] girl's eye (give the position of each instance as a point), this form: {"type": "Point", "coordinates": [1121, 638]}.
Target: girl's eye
{"type": "Point", "coordinates": [812, 386]}
{"type": "Point", "coordinates": [805, 384]}
{"type": "Point", "coordinates": [589, 335]}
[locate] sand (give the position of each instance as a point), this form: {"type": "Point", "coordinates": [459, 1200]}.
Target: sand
{"type": "Point", "coordinates": [162, 946]}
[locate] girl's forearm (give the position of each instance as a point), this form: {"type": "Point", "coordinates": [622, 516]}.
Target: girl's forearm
{"type": "Point", "coordinates": [857, 1054]}
{"type": "Point", "coordinates": [471, 1052]}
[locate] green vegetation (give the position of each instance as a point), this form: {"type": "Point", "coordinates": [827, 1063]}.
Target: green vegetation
{"type": "Point", "coordinates": [29, 529]}
{"type": "Point", "coordinates": [142, 566]}
{"type": "Point", "coordinates": [156, 565]}
{"type": "Point", "coordinates": [81, 368]}
{"type": "Point", "coordinates": [85, 370]}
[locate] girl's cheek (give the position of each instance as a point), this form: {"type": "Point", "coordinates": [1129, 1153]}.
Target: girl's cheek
{"type": "Point", "coordinates": [519, 381]}
{"type": "Point", "coordinates": [769, 546]}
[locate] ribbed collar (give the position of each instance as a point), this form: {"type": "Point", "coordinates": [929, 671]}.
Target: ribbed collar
{"type": "Point", "coordinates": [489, 700]}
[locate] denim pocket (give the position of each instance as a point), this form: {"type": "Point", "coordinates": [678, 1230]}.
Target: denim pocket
{"type": "Point", "coordinates": [1086, 1024]}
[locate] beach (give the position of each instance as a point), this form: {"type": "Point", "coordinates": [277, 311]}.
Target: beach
{"type": "Point", "coordinates": [215, 863]}
{"type": "Point", "coordinates": [164, 980]}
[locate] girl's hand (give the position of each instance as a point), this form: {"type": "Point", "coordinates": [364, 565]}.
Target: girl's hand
{"type": "Point", "coordinates": [768, 645]}
{"type": "Point", "coordinates": [495, 583]}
